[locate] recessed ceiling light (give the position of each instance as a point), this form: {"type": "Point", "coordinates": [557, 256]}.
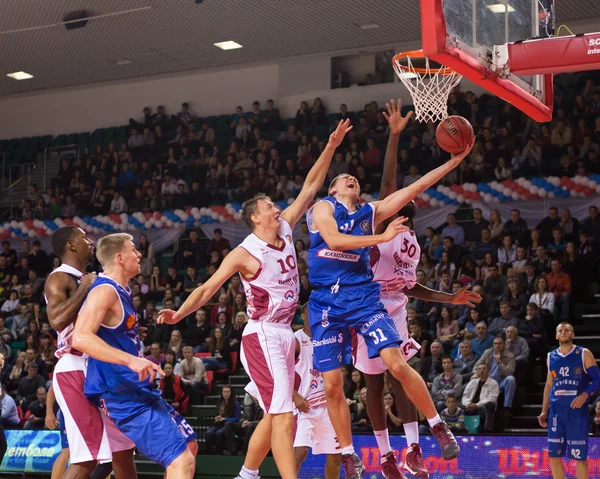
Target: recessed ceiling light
{"type": "Point", "coordinates": [20, 75]}
{"type": "Point", "coordinates": [123, 61]}
{"type": "Point", "coordinates": [368, 26]}
{"type": "Point", "coordinates": [228, 45]}
{"type": "Point", "coordinates": [501, 8]}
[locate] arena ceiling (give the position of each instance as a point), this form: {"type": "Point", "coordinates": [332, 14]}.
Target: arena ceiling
{"type": "Point", "coordinates": [137, 38]}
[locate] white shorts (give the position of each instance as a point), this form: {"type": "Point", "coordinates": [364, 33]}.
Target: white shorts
{"type": "Point", "coordinates": [315, 430]}
{"type": "Point", "coordinates": [92, 435]}
{"type": "Point", "coordinates": [409, 347]}
{"type": "Point", "coordinates": [267, 353]}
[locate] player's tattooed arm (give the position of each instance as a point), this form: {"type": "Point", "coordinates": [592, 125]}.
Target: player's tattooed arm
{"type": "Point", "coordinates": [316, 176]}
{"type": "Point", "coordinates": [393, 203]}
{"type": "Point", "coordinates": [324, 222]}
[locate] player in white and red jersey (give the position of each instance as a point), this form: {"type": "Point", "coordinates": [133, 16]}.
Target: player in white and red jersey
{"type": "Point", "coordinates": [394, 266]}
{"type": "Point", "coordinates": [91, 435]}
{"type": "Point", "coordinates": [314, 429]}
{"type": "Point", "coordinates": [266, 261]}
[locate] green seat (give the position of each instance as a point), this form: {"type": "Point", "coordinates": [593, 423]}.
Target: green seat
{"type": "Point", "coordinates": [211, 121]}
{"type": "Point", "coordinates": [332, 117]}
{"type": "Point", "coordinates": [17, 346]}
{"type": "Point", "coordinates": [3, 146]}
{"type": "Point", "coordinates": [12, 145]}
{"type": "Point", "coordinates": [34, 144]}
{"type": "Point", "coordinates": [109, 133]}
{"type": "Point", "coordinates": [84, 138]}
{"type": "Point", "coordinates": [46, 142]}
{"type": "Point", "coordinates": [289, 121]}
{"type": "Point", "coordinates": [60, 140]}
{"type": "Point", "coordinates": [472, 423]}
{"type": "Point", "coordinates": [98, 134]}
{"type": "Point", "coordinates": [122, 131]}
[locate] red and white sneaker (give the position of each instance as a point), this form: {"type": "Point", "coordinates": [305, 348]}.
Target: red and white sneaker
{"type": "Point", "coordinates": [414, 462]}
{"type": "Point", "coordinates": [389, 466]}
{"type": "Point", "coordinates": [447, 441]}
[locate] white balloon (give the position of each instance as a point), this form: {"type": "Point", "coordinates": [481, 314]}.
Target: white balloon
{"type": "Point", "coordinates": [2, 229]}
{"type": "Point", "coordinates": [32, 234]}
{"type": "Point", "coordinates": [592, 184]}
{"type": "Point", "coordinates": [14, 224]}
{"type": "Point", "coordinates": [585, 181]}
{"type": "Point", "coordinates": [222, 219]}
{"type": "Point", "coordinates": [238, 216]}
{"type": "Point", "coordinates": [460, 198]}
{"type": "Point", "coordinates": [493, 184]}
{"type": "Point", "coordinates": [13, 235]}
{"type": "Point", "coordinates": [556, 182]}
{"type": "Point", "coordinates": [215, 216]}
{"type": "Point", "coordinates": [197, 215]}
{"type": "Point", "coordinates": [515, 195]}
{"type": "Point", "coordinates": [89, 229]}
{"type": "Point", "coordinates": [598, 189]}
{"type": "Point", "coordinates": [577, 179]}
{"type": "Point", "coordinates": [97, 231]}
{"type": "Point", "coordinates": [433, 202]}
{"type": "Point", "coordinates": [573, 193]}
{"type": "Point", "coordinates": [163, 220]}
{"type": "Point", "coordinates": [184, 217]}
{"type": "Point", "coordinates": [487, 198]}
{"type": "Point", "coordinates": [495, 199]}
{"type": "Point", "coordinates": [289, 202]}
{"type": "Point", "coordinates": [228, 205]}
{"type": "Point", "coordinates": [452, 195]}
{"type": "Point", "coordinates": [534, 190]}
{"type": "Point", "coordinates": [122, 227]}
{"type": "Point", "coordinates": [440, 188]}
{"type": "Point", "coordinates": [148, 225]}
{"type": "Point", "coordinates": [581, 193]}
{"type": "Point", "coordinates": [543, 193]}
{"type": "Point", "coordinates": [550, 194]}
{"type": "Point", "coordinates": [195, 211]}
{"type": "Point", "coordinates": [130, 228]}
{"type": "Point", "coordinates": [169, 224]}
{"type": "Point", "coordinates": [507, 191]}
{"type": "Point", "coordinates": [468, 201]}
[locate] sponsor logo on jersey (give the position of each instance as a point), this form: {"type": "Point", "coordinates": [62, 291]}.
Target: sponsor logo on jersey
{"type": "Point", "coordinates": [314, 384]}
{"type": "Point", "coordinates": [555, 440]}
{"type": "Point", "coordinates": [564, 392]}
{"type": "Point", "coordinates": [366, 226]}
{"type": "Point", "coordinates": [338, 255]}
{"type": "Point", "coordinates": [289, 295]}
{"type": "Point", "coordinates": [331, 340]}
{"type": "Point", "coordinates": [130, 321]}
{"type": "Point", "coordinates": [578, 371]}
{"type": "Point", "coordinates": [325, 317]}
{"type": "Point", "coordinates": [290, 281]}
{"type": "Point", "coordinates": [288, 238]}
{"type": "Point", "coordinates": [370, 322]}
{"type": "Point", "coordinates": [576, 443]}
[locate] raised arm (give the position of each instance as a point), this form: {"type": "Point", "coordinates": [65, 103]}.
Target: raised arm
{"type": "Point", "coordinates": [316, 176]}
{"type": "Point", "coordinates": [98, 303]}
{"type": "Point", "coordinates": [237, 260]}
{"type": "Point", "coordinates": [63, 310]}
{"type": "Point", "coordinates": [324, 222]}
{"type": "Point", "coordinates": [393, 203]}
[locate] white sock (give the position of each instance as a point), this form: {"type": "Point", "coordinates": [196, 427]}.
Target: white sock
{"type": "Point", "coordinates": [383, 441]}
{"type": "Point", "coordinates": [347, 450]}
{"type": "Point", "coordinates": [411, 430]}
{"type": "Point", "coordinates": [434, 420]}
{"type": "Point", "coordinates": [248, 474]}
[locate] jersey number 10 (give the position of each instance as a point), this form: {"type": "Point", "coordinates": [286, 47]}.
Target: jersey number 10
{"type": "Point", "coordinates": [289, 261]}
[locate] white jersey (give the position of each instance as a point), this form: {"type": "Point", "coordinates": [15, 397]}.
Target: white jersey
{"type": "Point", "coordinates": [311, 385]}
{"type": "Point", "coordinates": [65, 337]}
{"type": "Point", "coordinates": [273, 292]}
{"type": "Point", "coordinates": [395, 264]}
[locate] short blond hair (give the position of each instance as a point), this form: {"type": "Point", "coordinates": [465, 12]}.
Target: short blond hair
{"type": "Point", "coordinates": [110, 245]}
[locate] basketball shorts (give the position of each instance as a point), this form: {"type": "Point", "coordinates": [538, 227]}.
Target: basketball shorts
{"type": "Point", "coordinates": [332, 312]}
{"type": "Point", "coordinates": [91, 436]}
{"type": "Point", "coordinates": [267, 353]}
{"type": "Point", "coordinates": [315, 430]}
{"type": "Point", "coordinates": [568, 432]}
{"type": "Point", "coordinates": [396, 307]}
{"type": "Point", "coordinates": [64, 441]}
{"type": "Point", "coordinates": [157, 430]}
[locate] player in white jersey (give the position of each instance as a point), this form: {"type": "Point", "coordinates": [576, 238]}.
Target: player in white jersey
{"type": "Point", "coordinates": [394, 267]}
{"type": "Point", "coordinates": [266, 261]}
{"type": "Point", "coordinates": [314, 429]}
{"type": "Point", "coordinates": [92, 436]}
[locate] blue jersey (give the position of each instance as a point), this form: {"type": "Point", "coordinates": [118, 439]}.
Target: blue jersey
{"type": "Point", "coordinates": [326, 267]}
{"type": "Point", "coordinates": [103, 377]}
{"type": "Point", "coordinates": [569, 374]}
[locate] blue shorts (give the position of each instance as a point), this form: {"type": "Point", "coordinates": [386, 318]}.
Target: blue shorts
{"type": "Point", "coordinates": [568, 426]}
{"type": "Point", "coordinates": [332, 314]}
{"type": "Point", "coordinates": [158, 431]}
{"type": "Point", "coordinates": [64, 442]}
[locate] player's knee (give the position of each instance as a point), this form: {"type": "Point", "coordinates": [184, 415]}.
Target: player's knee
{"type": "Point", "coordinates": [334, 390]}
{"type": "Point", "coordinates": [300, 453]}
{"type": "Point", "coordinates": [284, 420]}
{"type": "Point", "coordinates": [185, 464]}
{"type": "Point", "coordinates": [397, 366]}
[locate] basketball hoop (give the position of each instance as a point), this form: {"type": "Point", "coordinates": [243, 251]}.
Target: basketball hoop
{"type": "Point", "coordinates": [428, 82]}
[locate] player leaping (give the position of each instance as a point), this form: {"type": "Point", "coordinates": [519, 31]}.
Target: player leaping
{"type": "Point", "coordinates": [394, 267]}
{"type": "Point", "coordinates": [266, 260]}
{"type": "Point", "coordinates": [341, 233]}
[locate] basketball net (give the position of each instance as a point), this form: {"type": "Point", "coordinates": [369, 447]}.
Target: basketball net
{"type": "Point", "coordinates": [428, 86]}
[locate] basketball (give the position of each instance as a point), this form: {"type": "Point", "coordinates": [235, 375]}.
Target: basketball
{"type": "Point", "coordinates": [454, 134]}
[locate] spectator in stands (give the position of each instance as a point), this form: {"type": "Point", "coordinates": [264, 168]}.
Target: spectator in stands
{"type": "Point", "coordinates": [174, 280]}
{"type": "Point", "coordinates": [469, 272]}
{"type": "Point", "coordinates": [218, 243]}
{"type": "Point", "coordinates": [197, 332]}
{"type": "Point", "coordinates": [591, 225]}
{"type": "Point", "coordinates": [11, 305]}
{"type": "Point", "coordinates": [361, 424]}
{"type": "Point", "coordinates": [546, 226]}
{"type": "Point", "coordinates": [447, 327]}
{"type": "Point", "coordinates": [496, 226]}
{"type": "Point", "coordinates": [354, 387]}
{"type": "Point", "coordinates": [220, 351]}
{"type": "Point", "coordinates": [392, 416]}
{"type": "Point", "coordinates": [156, 354]}
{"type": "Point", "coordinates": [31, 356]}
{"type": "Point", "coordinates": [474, 228]}
{"type": "Point", "coordinates": [482, 340]}
{"type": "Point", "coordinates": [507, 254]}
{"type": "Point", "coordinates": [318, 114]}
{"type": "Point", "coordinates": [20, 323]}
{"type": "Point", "coordinates": [10, 415]}
{"type": "Point", "coordinates": [147, 261]}
{"type": "Point", "coordinates": [432, 365]}
{"type": "Point", "coordinates": [465, 361]}
{"type": "Point", "coordinates": [518, 265]}
{"type": "Point", "coordinates": [447, 383]}
{"type": "Point", "coordinates": [221, 307]}
{"type": "Point", "coordinates": [46, 351]}
{"type": "Point", "coordinates": [516, 227]}
{"type": "Point", "coordinates": [454, 231]}
{"type": "Point", "coordinates": [543, 298]}
{"type": "Point", "coordinates": [173, 391]}
{"type": "Point", "coordinates": [191, 281]}
{"type": "Point", "coordinates": [36, 411]}
{"type": "Point", "coordinates": [501, 363]}
{"type": "Point", "coordinates": [118, 204]}
{"type": "Point", "coordinates": [559, 283]}
{"type": "Point", "coordinates": [228, 410]}
{"type": "Point", "coordinates": [595, 422]}
{"type": "Point", "coordinates": [29, 385]}
{"type": "Point", "coordinates": [237, 331]}
{"type": "Point", "coordinates": [519, 347]}
{"type": "Point", "coordinates": [453, 416]}
{"type": "Point", "coordinates": [470, 325]}
{"type": "Point", "coordinates": [192, 251]}
{"type": "Point", "coordinates": [243, 429]}
{"type": "Point", "coordinates": [542, 260]}
{"type": "Point", "coordinates": [494, 284]}
{"type": "Point", "coordinates": [515, 298]}
{"type": "Point", "coordinates": [420, 336]}
{"type": "Point", "coordinates": [498, 325]}
{"type": "Point", "coordinates": [193, 374]}
{"type": "Point", "coordinates": [17, 372]}
{"type": "Point", "coordinates": [480, 397]}
{"type": "Point", "coordinates": [558, 244]}
{"type": "Point", "coordinates": [175, 343]}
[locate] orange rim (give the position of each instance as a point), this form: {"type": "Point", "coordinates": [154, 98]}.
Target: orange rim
{"type": "Point", "coordinates": [423, 71]}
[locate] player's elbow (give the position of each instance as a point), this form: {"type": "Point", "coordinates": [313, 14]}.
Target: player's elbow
{"type": "Point", "coordinates": [79, 341]}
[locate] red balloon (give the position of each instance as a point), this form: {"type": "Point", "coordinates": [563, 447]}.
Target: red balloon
{"type": "Point", "coordinates": [579, 188]}
{"type": "Point", "coordinates": [157, 215]}
{"type": "Point", "coordinates": [29, 224]}
{"type": "Point", "coordinates": [588, 191]}
{"type": "Point", "coordinates": [564, 180]}
{"type": "Point", "coordinates": [147, 215]}
{"type": "Point", "coordinates": [68, 221]}
{"type": "Point", "coordinates": [188, 211]}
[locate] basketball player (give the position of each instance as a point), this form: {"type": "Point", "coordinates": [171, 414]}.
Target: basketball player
{"type": "Point", "coordinates": [53, 422]}
{"type": "Point", "coordinates": [266, 260]}
{"type": "Point", "coordinates": [119, 379]}
{"type": "Point", "coordinates": [394, 267]}
{"type": "Point", "coordinates": [573, 377]}
{"type": "Point", "coordinates": [91, 437]}
{"type": "Point", "coordinates": [314, 429]}
{"type": "Point", "coordinates": [341, 233]}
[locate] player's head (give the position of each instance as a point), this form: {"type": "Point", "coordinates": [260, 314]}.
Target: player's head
{"type": "Point", "coordinates": [72, 242]}
{"type": "Point", "coordinates": [304, 313]}
{"type": "Point", "coordinates": [118, 253]}
{"type": "Point", "coordinates": [565, 333]}
{"type": "Point", "coordinates": [345, 186]}
{"type": "Point", "coordinates": [260, 212]}
{"type": "Point", "coordinates": [409, 210]}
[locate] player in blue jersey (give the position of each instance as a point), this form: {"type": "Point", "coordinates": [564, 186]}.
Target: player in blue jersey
{"type": "Point", "coordinates": [119, 379]}
{"type": "Point", "coordinates": [573, 377]}
{"type": "Point", "coordinates": [344, 297]}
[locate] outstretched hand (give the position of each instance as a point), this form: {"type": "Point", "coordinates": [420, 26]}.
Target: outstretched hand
{"type": "Point", "coordinates": [166, 316]}
{"type": "Point", "coordinates": [464, 296]}
{"type": "Point", "coordinates": [395, 228]}
{"type": "Point", "coordinates": [145, 368]}
{"type": "Point", "coordinates": [337, 136]}
{"type": "Point", "coordinates": [394, 116]}
{"type": "Point", "coordinates": [458, 157]}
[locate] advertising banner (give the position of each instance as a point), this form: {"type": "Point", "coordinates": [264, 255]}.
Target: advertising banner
{"type": "Point", "coordinates": [30, 451]}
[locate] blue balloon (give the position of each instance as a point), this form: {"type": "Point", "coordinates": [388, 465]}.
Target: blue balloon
{"type": "Point", "coordinates": [565, 194]}
{"type": "Point", "coordinates": [106, 228]}
{"type": "Point", "coordinates": [494, 193]}
{"type": "Point", "coordinates": [447, 200]}
{"type": "Point", "coordinates": [376, 195]}
{"type": "Point", "coordinates": [557, 191]}
{"type": "Point", "coordinates": [548, 187]}
{"type": "Point", "coordinates": [455, 202]}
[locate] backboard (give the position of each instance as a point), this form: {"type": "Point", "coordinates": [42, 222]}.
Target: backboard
{"type": "Point", "coordinates": [469, 37]}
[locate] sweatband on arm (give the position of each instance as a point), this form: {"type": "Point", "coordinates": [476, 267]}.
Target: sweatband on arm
{"type": "Point", "coordinates": [594, 375]}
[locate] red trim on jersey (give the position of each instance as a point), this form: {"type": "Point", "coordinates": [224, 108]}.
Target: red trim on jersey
{"type": "Point", "coordinates": [272, 246]}
{"type": "Point", "coordinates": [257, 274]}
{"type": "Point", "coordinates": [374, 256]}
{"type": "Point", "coordinates": [259, 301]}
{"type": "Point", "coordinates": [259, 369]}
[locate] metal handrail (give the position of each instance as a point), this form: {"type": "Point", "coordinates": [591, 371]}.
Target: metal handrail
{"type": "Point", "coordinates": [18, 180]}
{"type": "Point", "coordinates": [56, 148]}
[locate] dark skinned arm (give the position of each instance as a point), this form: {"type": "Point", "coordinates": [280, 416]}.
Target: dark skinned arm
{"type": "Point", "coordinates": [462, 296]}
{"type": "Point", "coordinates": [61, 309]}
